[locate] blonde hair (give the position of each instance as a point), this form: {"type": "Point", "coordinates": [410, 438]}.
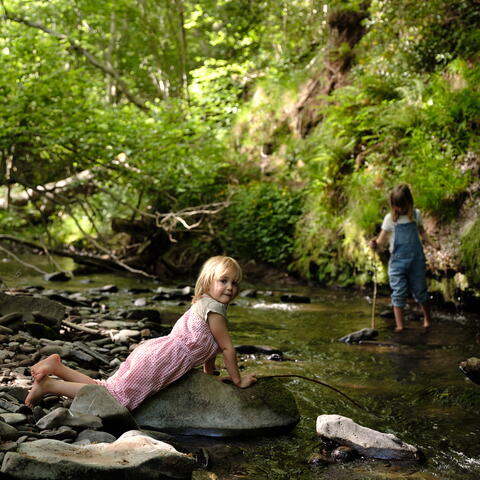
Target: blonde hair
{"type": "Point", "coordinates": [213, 268]}
{"type": "Point", "coordinates": [401, 202]}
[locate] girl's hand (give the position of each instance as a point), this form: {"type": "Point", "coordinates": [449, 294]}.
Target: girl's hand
{"type": "Point", "coordinates": [248, 380]}
{"type": "Point", "coordinates": [373, 244]}
{"type": "Point", "coordinates": [245, 381]}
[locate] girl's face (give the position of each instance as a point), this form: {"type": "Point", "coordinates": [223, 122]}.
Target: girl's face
{"type": "Point", "coordinates": [224, 288]}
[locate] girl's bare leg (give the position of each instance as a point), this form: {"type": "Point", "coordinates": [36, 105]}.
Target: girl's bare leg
{"type": "Point", "coordinates": [50, 385]}
{"type": "Point", "coordinates": [398, 312]}
{"type": "Point", "coordinates": [427, 319]}
{"type": "Point", "coordinates": [53, 365]}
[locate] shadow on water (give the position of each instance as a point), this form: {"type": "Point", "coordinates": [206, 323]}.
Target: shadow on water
{"type": "Point", "coordinates": [410, 383]}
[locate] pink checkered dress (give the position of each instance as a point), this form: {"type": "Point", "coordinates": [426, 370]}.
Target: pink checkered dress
{"type": "Point", "coordinates": [158, 362]}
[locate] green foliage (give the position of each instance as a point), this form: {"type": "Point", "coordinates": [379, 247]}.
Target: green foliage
{"type": "Point", "coordinates": [470, 252]}
{"type": "Point", "coordinates": [406, 37]}
{"type": "Point", "coordinates": [377, 133]}
{"type": "Point", "coordinates": [226, 87]}
{"type": "Point", "coordinates": [260, 222]}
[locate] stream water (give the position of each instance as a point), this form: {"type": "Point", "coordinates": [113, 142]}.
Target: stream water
{"type": "Point", "coordinates": [409, 383]}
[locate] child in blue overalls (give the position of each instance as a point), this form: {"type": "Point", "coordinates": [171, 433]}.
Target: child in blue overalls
{"type": "Point", "coordinates": [402, 229]}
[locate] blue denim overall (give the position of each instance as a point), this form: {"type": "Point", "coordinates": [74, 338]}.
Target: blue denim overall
{"type": "Point", "coordinates": [406, 268]}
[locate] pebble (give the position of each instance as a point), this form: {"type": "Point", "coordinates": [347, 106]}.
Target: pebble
{"type": "Point", "coordinates": [87, 437]}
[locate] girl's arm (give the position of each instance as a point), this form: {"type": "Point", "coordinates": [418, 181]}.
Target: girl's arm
{"type": "Point", "coordinates": [209, 366]}
{"type": "Point", "coordinates": [380, 241]}
{"type": "Point", "coordinates": [218, 326]}
{"type": "Point", "coordinates": [426, 238]}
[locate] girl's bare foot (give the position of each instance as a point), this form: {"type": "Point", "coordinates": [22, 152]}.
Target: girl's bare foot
{"type": "Point", "coordinates": [38, 390]}
{"type": "Point", "coordinates": [47, 366]}
{"type": "Point", "coordinates": [398, 329]}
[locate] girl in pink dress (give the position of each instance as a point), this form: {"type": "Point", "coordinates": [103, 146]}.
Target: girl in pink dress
{"type": "Point", "coordinates": [195, 339]}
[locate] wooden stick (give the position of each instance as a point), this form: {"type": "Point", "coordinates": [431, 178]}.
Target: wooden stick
{"type": "Point", "coordinates": [320, 383]}
{"type": "Point", "coordinates": [374, 290]}
{"type": "Point", "coordinates": [81, 328]}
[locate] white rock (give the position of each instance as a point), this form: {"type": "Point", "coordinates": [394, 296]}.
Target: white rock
{"type": "Point", "coordinates": [365, 441]}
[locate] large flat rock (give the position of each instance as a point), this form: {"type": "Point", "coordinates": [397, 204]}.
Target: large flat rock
{"type": "Point", "coordinates": [133, 456]}
{"type": "Point", "coordinates": [26, 304]}
{"type": "Point", "coordinates": [199, 404]}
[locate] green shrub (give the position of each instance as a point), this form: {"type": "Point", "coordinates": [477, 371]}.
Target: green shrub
{"type": "Point", "coordinates": [470, 253]}
{"type": "Point", "coordinates": [260, 222]}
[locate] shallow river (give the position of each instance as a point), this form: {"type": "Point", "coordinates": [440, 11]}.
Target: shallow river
{"type": "Point", "coordinates": [410, 383]}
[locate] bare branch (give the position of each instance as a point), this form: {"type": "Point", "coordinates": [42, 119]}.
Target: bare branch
{"type": "Point", "coordinates": [21, 262]}
{"type": "Point", "coordinates": [77, 257]}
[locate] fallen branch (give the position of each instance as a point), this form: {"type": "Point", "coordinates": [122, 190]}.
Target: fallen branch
{"type": "Point", "coordinates": [25, 264]}
{"type": "Point", "coordinates": [81, 328]}
{"type": "Point", "coordinates": [48, 191]}
{"type": "Point", "coordinates": [77, 257]}
{"type": "Point", "coordinates": [320, 383]}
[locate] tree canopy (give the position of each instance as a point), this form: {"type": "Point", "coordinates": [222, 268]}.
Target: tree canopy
{"type": "Point", "coordinates": [271, 130]}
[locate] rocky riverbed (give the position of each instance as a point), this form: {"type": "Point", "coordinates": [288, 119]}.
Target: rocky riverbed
{"type": "Point", "coordinates": [93, 334]}
{"type": "Point", "coordinates": [89, 337]}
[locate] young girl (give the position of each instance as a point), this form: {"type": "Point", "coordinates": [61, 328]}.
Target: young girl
{"type": "Point", "coordinates": [195, 339]}
{"type": "Point", "coordinates": [406, 269]}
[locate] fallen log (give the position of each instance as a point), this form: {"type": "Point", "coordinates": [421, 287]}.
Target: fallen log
{"type": "Point", "coordinates": [73, 185]}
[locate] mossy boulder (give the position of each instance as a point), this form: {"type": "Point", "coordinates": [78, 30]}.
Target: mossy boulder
{"type": "Point", "coordinates": [199, 404]}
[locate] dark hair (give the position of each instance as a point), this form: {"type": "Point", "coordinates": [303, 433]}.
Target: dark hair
{"type": "Point", "coordinates": [401, 202]}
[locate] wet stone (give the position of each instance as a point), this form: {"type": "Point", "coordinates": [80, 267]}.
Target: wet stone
{"type": "Point", "coordinates": [344, 454]}
{"type": "Point", "coordinates": [105, 289]}
{"type": "Point", "coordinates": [56, 277]}
{"type": "Point", "coordinates": [249, 293]}
{"type": "Point", "coordinates": [13, 407]}
{"type": "Point", "coordinates": [359, 335]}
{"type": "Point", "coordinates": [61, 433]}
{"type": "Point", "coordinates": [9, 318]}
{"type": "Point", "coordinates": [87, 437]}
{"type": "Point", "coordinates": [5, 330]}
{"type": "Point", "coordinates": [291, 298]}
{"type": "Point", "coordinates": [13, 418]}
{"type": "Point", "coordinates": [471, 369]}
{"type": "Point", "coordinates": [319, 459]}
{"type": "Point", "coordinates": [140, 302]}
{"type": "Point", "coordinates": [7, 446]}
{"type": "Point", "coordinates": [257, 349]}
{"type": "Point", "coordinates": [38, 412]}
{"type": "Point", "coordinates": [367, 442]}
{"type": "Point", "coordinates": [141, 313]}
{"type": "Point", "coordinates": [62, 416]}
{"type": "Point", "coordinates": [96, 400]}
{"type": "Point", "coordinates": [8, 432]}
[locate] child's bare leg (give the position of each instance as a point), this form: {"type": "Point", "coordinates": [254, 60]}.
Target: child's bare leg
{"type": "Point", "coordinates": [50, 385]}
{"type": "Point", "coordinates": [427, 319]}
{"type": "Point", "coordinates": [53, 365]}
{"type": "Point", "coordinates": [398, 312]}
